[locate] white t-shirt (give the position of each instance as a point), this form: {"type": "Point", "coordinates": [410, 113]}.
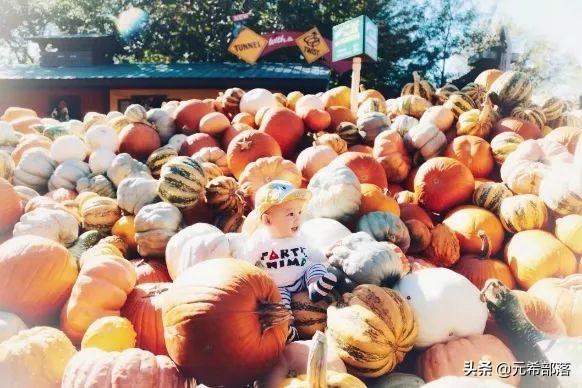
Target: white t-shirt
{"type": "Point", "coordinates": [284, 259]}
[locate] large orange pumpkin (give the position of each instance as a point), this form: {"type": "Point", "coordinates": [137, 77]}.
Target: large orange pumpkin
{"type": "Point", "coordinates": [226, 313]}
{"type": "Point", "coordinates": [390, 152]}
{"type": "Point", "coordinates": [36, 277]}
{"type": "Point", "coordinates": [525, 129]}
{"type": "Point", "coordinates": [340, 114]}
{"type": "Point", "coordinates": [411, 211]}
{"type": "Point", "coordinates": [231, 132]}
{"type": "Point", "coordinates": [366, 168]}
{"type": "Point", "coordinates": [150, 271]}
{"type": "Point", "coordinates": [188, 115]}
{"type": "Point", "coordinates": [143, 308]}
{"type": "Point", "coordinates": [474, 152]}
{"type": "Point", "coordinates": [265, 170]}
{"type": "Point", "coordinates": [443, 183]}
{"type": "Point", "coordinates": [248, 146]}
{"type": "Point", "coordinates": [317, 120]}
{"type": "Point", "coordinates": [11, 208]}
{"type": "Point", "coordinates": [195, 143]}
{"type": "Point", "coordinates": [466, 221]}
{"type": "Point", "coordinates": [376, 199]}
{"type": "Point", "coordinates": [138, 140]}
{"type": "Point", "coordinates": [313, 159]}
{"type": "Point", "coordinates": [285, 127]}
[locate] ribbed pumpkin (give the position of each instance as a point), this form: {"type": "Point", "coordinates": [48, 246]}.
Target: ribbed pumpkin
{"type": "Point", "coordinates": [158, 158]}
{"type": "Point", "coordinates": [188, 115]}
{"type": "Point", "coordinates": [265, 170]}
{"type": "Point", "coordinates": [474, 152]}
{"type": "Point", "coordinates": [308, 316]}
{"type": "Point", "coordinates": [567, 136]}
{"type": "Point", "coordinates": [420, 235]}
{"type": "Point", "coordinates": [487, 77]}
{"type": "Point", "coordinates": [504, 144]}
{"type": "Point", "coordinates": [427, 139]}
{"type": "Point", "coordinates": [531, 113]}
{"type": "Point", "coordinates": [385, 226]}
{"type": "Point", "coordinates": [45, 350]}
{"type": "Point", "coordinates": [522, 212]}
{"type": "Point", "coordinates": [411, 105]}
{"type": "Point", "coordinates": [285, 127]}
{"type": "Point", "coordinates": [442, 183]}
{"type": "Point", "coordinates": [100, 290]}
{"type": "Point", "coordinates": [364, 94]}
{"type": "Point", "coordinates": [442, 94]}
{"type": "Point", "coordinates": [139, 140]}
{"type": "Point", "coordinates": [143, 308]}
{"type": "Point", "coordinates": [439, 116]}
{"type": "Point", "coordinates": [525, 129]}
{"type": "Point", "coordinates": [418, 87]}
{"type": "Point", "coordinates": [477, 122]}
{"type": "Point", "coordinates": [374, 198]}
{"type": "Point", "coordinates": [490, 194]}
{"type": "Point", "coordinates": [467, 221]}
{"type": "Point", "coordinates": [155, 224]}
{"type": "Point", "coordinates": [459, 103]}
{"type": "Point", "coordinates": [389, 150]}
{"type": "Point", "coordinates": [403, 123]}
{"type": "Point", "coordinates": [374, 330]}
{"type": "Point", "coordinates": [249, 146]}
{"type": "Point", "coordinates": [210, 170]}
{"type": "Point", "coordinates": [196, 142]}
{"type": "Point", "coordinates": [480, 267]}
{"type": "Point", "coordinates": [313, 159]}
{"type": "Point", "coordinates": [366, 168]}
{"type": "Point", "coordinates": [448, 359]}
{"type": "Point", "coordinates": [536, 254]}
{"type": "Point", "coordinates": [230, 101]}
{"type": "Point", "coordinates": [475, 91]}
{"type": "Point", "coordinates": [372, 124]}
{"type": "Point", "coordinates": [181, 182]}
{"type": "Point", "coordinates": [42, 291]}
{"type": "Point", "coordinates": [569, 231]}
{"type": "Point", "coordinates": [371, 105]}
{"type": "Point", "coordinates": [561, 188]}
{"type": "Point", "coordinates": [100, 213]}
{"type": "Point", "coordinates": [30, 141]}
{"type": "Point", "coordinates": [348, 132]}
{"type": "Point", "coordinates": [444, 249]}
{"type": "Point", "coordinates": [331, 140]}
{"type": "Point", "coordinates": [553, 108]}
{"type": "Point", "coordinates": [98, 184]}
{"type": "Point", "coordinates": [204, 316]}
{"type": "Point", "coordinates": [11, 208]}
{"type": "Point", "coordinates": [511, 88]}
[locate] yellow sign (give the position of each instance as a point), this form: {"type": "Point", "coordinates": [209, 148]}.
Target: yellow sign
{"type": "Point", "coordinates": [312, 45]}
{"type": "Point", "coordinates": [248, 45]}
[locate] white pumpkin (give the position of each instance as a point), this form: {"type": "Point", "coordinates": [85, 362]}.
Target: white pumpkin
{"type": "Point", "coordinates": [403, 123]}
{"type": "Point", "coordinates": [100, 160]}
{"type": "Point", "coordinates": [213, 155]}
{"type": "Point", "coordinates": [76, 127]}
{"type": "Point", "coordinates": [236, 244]}
{"type": "Point", "coordinates": [25, 194]}
{"type": "Point", "coordinates": [135, 113]}
{"type": "Point", "coordinates": [177, 140]}
{"type": "Point", "coordinates": [561, 189]}
{"type": "Point", "coordinates": [6, 166]}
{"type": "Point", "coordinates": [162, 122]}
{"type": "Point", "coordinates": [10, 324]}
{"type": "Point", "coordinates": [112, 115]}
{"type": "Point", "coordinates": [194, 244]}
{"type": "Point", "coordinates": [525, 168]}
{"type": "Point", "coordinates": [255, 99]}
{"type": "Point", "coordinates": [67, 174]}
{"type": "Point", "coordinates": [335, 194]}
{"type": "Point", "coordinates": [467, 382]}
{"type": "Point", "coordinates": [307, 103]}
{"type": "Point", "coordinates": [155, 224]}
{"type": "Point", "coordinates": [34, 169]}
{"type": "Point", "coordinates": [170, 107]}
{"type": "Point", "coordinates": [9, 139]}
{"type": "Point", "coordinates": [135, 192]}
{"type": "Point", "coordinates": [57, 225]}
{"type": "Point", "coordinates": [69, 147]}
{"type": "Point", "coordinates": [102, 136]}
{"type": "Point", "coordinates": [431, 292]}
{"type": "Point", "coordinates": [439, 116]}
{"type": "Point", "coordinates": [124, 166]}
{"type": "Point", "coordinates": [426, 138]}
{"type": "Point", "coordinates": [324, 232]}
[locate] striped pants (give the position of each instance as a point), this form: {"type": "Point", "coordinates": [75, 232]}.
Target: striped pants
{"type": "Point", "coordinates": [312, 274]}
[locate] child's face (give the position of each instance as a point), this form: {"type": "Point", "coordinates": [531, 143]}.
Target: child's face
{"type": "Point", "coordinates": [284, 220]}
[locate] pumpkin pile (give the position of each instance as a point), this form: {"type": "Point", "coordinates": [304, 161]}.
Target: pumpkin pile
{"type": "Point", "coordinates": [121, 232]}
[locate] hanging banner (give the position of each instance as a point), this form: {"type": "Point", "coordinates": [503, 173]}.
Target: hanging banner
{"type": "Point", "coordinates": [248, 45]}
{"type": "Point", "coordinates": [312, 45]}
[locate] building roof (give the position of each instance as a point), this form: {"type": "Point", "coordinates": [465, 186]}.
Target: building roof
{"type": "Point", "coordinates": [184, 75]}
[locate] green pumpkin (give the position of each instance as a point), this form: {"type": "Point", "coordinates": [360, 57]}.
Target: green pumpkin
{"type": "Point", "coordinates": [384, 226]}
{"type": "Point", "coordinates": [98, 184]}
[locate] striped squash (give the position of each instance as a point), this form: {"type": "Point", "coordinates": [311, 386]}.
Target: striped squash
{"type": "Point", "coordinates": [477, 122]}
{"type": "Point", "coordinates": [553, 108]}
{"type": "Point", "coordinates": [522, 212]}
{"type": "Point", "coordinates": [100, 213]}
{"type": "Point", "coordinates": [97, 183]}
{"type": "Point", "coordinates": [372, 104]}
{"type": "Point", "coordinates": [419, 87]}
{"type": "Point", "coordinates": [531, 113]}
{"type": "Point", "coordinates": [560, 189]}
{"type": "Point", "coordinates": [6, 166]}
{"type": "Point", "coordinates": [374, 331]}
{"type": "Point", "coordinates": [309, 316]}
{"type": "Point", "coordinates": [349, 133]}
{"type": "Point", "coordinates": [504, 144]}
{"type": "Point", "coordinates": [211, 171]}
{"type": "Point", "coordinates": [443, 93]}
{"type": "Point", "coordinates": [160, 157]}
{"type": "Point", "coordinates": [412, 105]}
{"type": "Point", "coordinates": [475, 91]}
{"type": "Point", "coordinates": [213, 155]}
{"type": "Point", "coordinates": [459, 102]}
{"type": "Point", "coordinates": [223, 194]}
{"type": "Point", "coordinates": [489, 195]}
{"type": "Point", "coordinates": [230, 222]}
{"type": "Point", "coordinates": [511, 88]}
{"type": "Point", "coordinates": [182, 181]}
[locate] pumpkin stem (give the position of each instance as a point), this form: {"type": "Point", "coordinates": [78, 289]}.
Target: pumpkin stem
{"type": "Point", "coordinates": [272, 314]}
{"type": "Point", "coordinates": [316, 362]}
{"type": "Point", "coordinates": [485, 245]}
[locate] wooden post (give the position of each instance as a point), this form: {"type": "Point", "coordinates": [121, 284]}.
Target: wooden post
{"type": "Point", "coordinates": [356, 68]}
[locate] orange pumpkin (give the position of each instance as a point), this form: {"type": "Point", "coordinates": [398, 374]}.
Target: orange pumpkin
{"type": "Point", "coordinates": [443, 183]}
{"type": "Point", "coordinates": [340, 114]}
{"type": "Point", "coordinates": [42, 271]}
{"type": "Point", "coordinates": [389, 150]}
{"type": "Point", "coordinates": [265, 170]}
{"type": "Point", "coordinates": [285, 127]}
{"type": "Point", "coordinates": [14, 112]}
{"type": "Point", "coordinates": [525, 129]}
{"type": "Point", "coordinates": [11, 208]}
{"type": "Point", "coordinates": [567, 136]}
{"type": "Point", "coordinates": [231, 132]}
{"type": "Point", "coordinates": [195, 143]}
{"type": "Point", "coordinates": [474, 152]}
{"type": "Point", "coordinates": [188, 115]}
{"type": "Point", "coordinates": [224, 312]}
{"type": "Point", "coordinates": [420, 235]}
{"type": "Point", "coordinates": [340, 96]}
{"type": "Point", "coordinates": [244, 118]}
{"type": "Point", "coordinates": [411, 211]}
{"type": "Point", "coordinates": [139, 140]}
{"type": "Point", "coordinates": [25, 124]}
{"type": "Point", "coordinates": [467, 221]}
{"type": "Point", "coordinates": [479, 268]}
{"type": "Point", "coordinates": [150, 271]}
{"type": "Point", "coordinates": [361, 148]}
{"type": "Point", "coordinates": [317, 120]}
{"type": "Point", "coordinates": [487, 77]}
{"type": "Point", "coordinates": [374, 199]}
{"type": "Point", "coordinates": [214, 123]}
{"type": "Point", "coordinates": [443, 249]}
{"type": "Point", "coordinates": [30, 141]}
{"type": "Point", "coordinates": [366, 168]}
{"type": "Point", "coordinates": [448, 359]}
{"type": "Point", "coordinates": [313, 159]}
{"type": "Point", "coordinates": [248, 146]}
{"type": "Point", "coordinates": [125, 229]}
{"type": "Point", "coordinates": [143, 308]}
